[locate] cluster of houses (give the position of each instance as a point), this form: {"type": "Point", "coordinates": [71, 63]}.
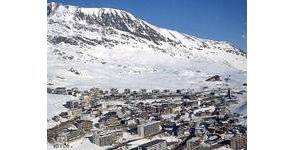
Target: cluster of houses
{"type": "Point", "coordinates": [114, 120]}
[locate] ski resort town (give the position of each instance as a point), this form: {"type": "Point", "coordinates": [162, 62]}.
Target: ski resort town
{"type": "Point", "coordinates": [148, 119]}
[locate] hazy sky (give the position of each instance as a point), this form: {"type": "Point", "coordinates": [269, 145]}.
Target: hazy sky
{"type": "Point", "coordinates": [212, 19]}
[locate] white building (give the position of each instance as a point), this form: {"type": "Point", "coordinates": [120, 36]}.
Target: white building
{"type": "Point", "coordinates": [149, 128]}
{"type": "Point", "coordinates": [106, 139]}
{"type": "Point", "coordinates": [239, 142]}
{"type": "Point", "coordinates": [76, 112]}
{"type": "Point", "coordinates": [153, 145]}
{"type": "Point", "coordinates": [61, 141]}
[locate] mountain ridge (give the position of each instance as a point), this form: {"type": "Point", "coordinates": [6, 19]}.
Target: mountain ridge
{"type": "Point", "coordinates": [101, 43]}
{"type": "Point", "coordinates": [99, 14]}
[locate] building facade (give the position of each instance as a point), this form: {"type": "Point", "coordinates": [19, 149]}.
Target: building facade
{"type": "Point", "coordinates": [149, 128]}
{"type": "Point", "coordinates": [103, 139]}
{"type": "Point", "coordinates": [239, 142]}
{"type": "Point", "coordinates": [153, 145]}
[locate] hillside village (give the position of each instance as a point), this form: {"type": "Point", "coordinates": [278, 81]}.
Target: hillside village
{"type": "Point", "coordinates": [115, 81]}
{"type": "Point", "coordinates": [149, 119]}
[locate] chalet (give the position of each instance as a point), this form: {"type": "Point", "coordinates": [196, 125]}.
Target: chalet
{"type": "Point", "coordinates": [75, 134]}
{"type": "Point", "coordinates": [178, 91]}
{"type": "Point", "coordinates": [214, 78]}
{"type": "Point", "coordinates": [76, 112]}
{"type": "Point", "coordinates": [64, 115]}
{"type": "Point", "coordinates": [95, 112]}
{"type": "Point", "coordinates": [73, 104]}
{"type": "Point", "coordinates": [56, 118]}
{"type": "Point", "coordinates": [156, 91]}
{"type": "Point", "coordinates": [85, 125]}
{"type": "Point", "coordinates": [86, 116]}
{"type": "Point", "coordinates": [60, 90]}
{"type": "Point", "coordinates": [171, 128]}
{"type": "Point", "coordinates": [127, 91]}
{"type": "Point", "coordinates": [110, 114]}
{"type": "Point", "coordinates": [114, 91]}
{"type": "Point", "coordinates": [143, 91]}
{"type": "Point", "coordinates": [166, 91]}
{"type": "Point", "coordinates": [94, 90]}
{"type": "Point", "coordinates": [134, 93]}
{"type": "Point", "coordinates": [49, 90]}
{"type": "Point", "coordinates": [69, 92]}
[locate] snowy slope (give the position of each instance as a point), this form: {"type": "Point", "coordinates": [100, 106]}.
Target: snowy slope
{"type": "Point", "coordinates": [55, 106]}
{"type": "Point", "coordinates": [105, 47]}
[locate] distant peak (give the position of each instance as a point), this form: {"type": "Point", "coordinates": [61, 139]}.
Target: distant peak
{"type": "Point", "coordinates": [90, 11]}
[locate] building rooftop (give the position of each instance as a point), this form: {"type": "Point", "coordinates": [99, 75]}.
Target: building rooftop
{"type": "Point", "coordinates": [151, 143]}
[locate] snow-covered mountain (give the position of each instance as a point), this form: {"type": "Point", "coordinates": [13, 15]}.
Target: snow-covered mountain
{"type": "Point", "coordinates": [105, 47]}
